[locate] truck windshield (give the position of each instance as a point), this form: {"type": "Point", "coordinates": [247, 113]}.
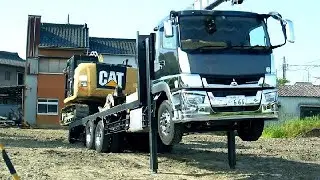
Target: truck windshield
{"type": "Point", "coordinates": [220, 32]}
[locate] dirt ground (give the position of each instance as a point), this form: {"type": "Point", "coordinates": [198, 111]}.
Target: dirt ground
{"type": "Point", "coordinates": [45, 154]}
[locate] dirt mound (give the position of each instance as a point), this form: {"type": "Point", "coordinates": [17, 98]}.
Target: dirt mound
{"type": "Point", "coordinates": [311, 133]}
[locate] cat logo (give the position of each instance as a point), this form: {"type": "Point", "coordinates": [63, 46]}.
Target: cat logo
{"type": "Point", "coordinates": [111, 79]}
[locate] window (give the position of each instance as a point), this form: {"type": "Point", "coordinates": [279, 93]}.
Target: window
{"type": "Point", "coordinates": [7, 75]}
{"type": "Point", "coordinates": [48, 106]}
{"type": "Point", "coordinates": [168, 42]}
{"type": "Point", "coordinates": [52, 65]}
{"type": "Point", "coordinates": [309, 111]}
{"type": "Point", "coordinates": [20, 78]}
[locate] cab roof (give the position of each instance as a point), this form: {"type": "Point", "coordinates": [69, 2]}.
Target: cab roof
{"type": "Point", "coordinates": [210, 12]}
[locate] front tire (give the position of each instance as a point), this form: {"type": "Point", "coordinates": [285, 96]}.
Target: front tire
{"type": "Point", "coordinates": [250, 130]}
{"type": "Point", "coordinates": [169, 132]}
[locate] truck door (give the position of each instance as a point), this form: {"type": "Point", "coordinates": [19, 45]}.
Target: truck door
{"type": "Point", "coordinates": [166, 61]}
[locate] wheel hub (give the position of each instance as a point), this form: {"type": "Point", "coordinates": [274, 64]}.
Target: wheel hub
{"type": "Point", "coordinates": [98, 136]}
{"type": "Point", "coordinates": [165, 123]}
{"type": "Point", "coordinates": [88, 135]}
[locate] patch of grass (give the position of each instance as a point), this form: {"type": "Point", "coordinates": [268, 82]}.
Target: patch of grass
{"type": "Point", "coordinates": [291, 128]}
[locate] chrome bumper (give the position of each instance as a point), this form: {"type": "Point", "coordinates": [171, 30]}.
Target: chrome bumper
{"type": "Point", "coordinates": [203, 106]}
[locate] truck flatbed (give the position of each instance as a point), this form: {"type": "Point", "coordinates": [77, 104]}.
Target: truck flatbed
{"type": "Point", "coordinates": [105, 113]}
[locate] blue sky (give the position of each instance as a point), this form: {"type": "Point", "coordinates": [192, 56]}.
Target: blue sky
{"type": "Point", "coordinates": [122, 19]}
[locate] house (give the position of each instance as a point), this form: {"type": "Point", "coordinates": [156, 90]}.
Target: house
{"type": "Point", "coordinates": [12, 68]}
{"type": "Point", "coordinates": [114, 50]}
{"type": "Point", "coordinates": [49, 46]}
{"type": "Point", "coordinates": [299, 100]}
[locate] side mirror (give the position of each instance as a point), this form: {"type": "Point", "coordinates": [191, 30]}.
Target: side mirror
{"type": "Point", "coordinates": [168, 29]}
{"type": "Point", "coordinates": [289, 31]}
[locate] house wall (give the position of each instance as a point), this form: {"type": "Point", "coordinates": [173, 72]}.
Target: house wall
{"type": "Point", "coordinates": [290, 106]}
{"type": "Point", "coordinates": [50, 86]}
{"type": "Point", "coordinates": [13, 75]}
{"type": "Point", "coordinates": [47, 82]}
{"type": "Point", "coordinates": [62, 53]}
{"type": "Point", "coordinates": [118, 59]}
{"type": "Point", "coordinates": [30, 96]}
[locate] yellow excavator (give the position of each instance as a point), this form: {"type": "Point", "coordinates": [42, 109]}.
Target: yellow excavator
{"type": "Point", "coordinates": [92, 85]}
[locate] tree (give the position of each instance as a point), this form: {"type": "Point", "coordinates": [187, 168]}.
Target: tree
{"type": "Point", "coordinates": [281, 82]}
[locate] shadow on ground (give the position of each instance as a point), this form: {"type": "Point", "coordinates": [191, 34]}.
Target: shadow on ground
{"type": "Point", "coordinates": [251, 165]}
{"type": "Point", "coordinates": [21, 141]}
{"type": "Point", "coordinates": [202, 155]}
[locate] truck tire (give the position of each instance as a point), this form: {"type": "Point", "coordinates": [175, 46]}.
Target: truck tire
{"type": "Point", "coordinates": [102, 141]}
{"type": "Point", "coordinates": [90, 133]}
{"type": "Point", "coordinates": [170, 133]}
{"type": "Point", "coordinates": [162, 148]}
{"type": "Point", "coordinates": [107, 143]}
{"type": "Point", "coordinates": [250, 130]}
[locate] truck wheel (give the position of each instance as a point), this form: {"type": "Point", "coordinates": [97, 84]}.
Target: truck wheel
{"type": "Point", "coordinates": [162, 148]}
{"type": "Point", "coordinates": [90, 131]}
{"type": "Point", "coordinates": [169, 132]}
{"type": "Point", "coordinates": [250, 130]}
{"type": "Point", "coordinates": [102, 141]}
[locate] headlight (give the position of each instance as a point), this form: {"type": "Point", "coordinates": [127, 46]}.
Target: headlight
{"type": "Point", "coordinates": [193, 99]}
{"type": "Point", "coordinates": [271, 96]}
{"type": "Point", "coordinates": [83, 79]}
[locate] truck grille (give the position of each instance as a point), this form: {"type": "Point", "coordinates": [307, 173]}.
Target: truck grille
{"type": "Point", "coordinates": [235, 109]}
{"type": "Point", "coordinates": [227, 92]}
{"type": "Point", "coordinates": [226, 80]}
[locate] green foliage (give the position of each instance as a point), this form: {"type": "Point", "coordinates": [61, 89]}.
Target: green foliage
{"type": "Point", "coordinates": [281, 82]}
{"type": "Point", "coordinates": [291, 128]}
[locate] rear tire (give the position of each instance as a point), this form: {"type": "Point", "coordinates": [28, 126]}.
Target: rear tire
{"type": "Point", "coordinates": [102, 141]}
{"type": "Point", "coordinates": [250, 130]}
{"type": "Point", "coordinates": [90, 133]}
{"type": "Point", "coordinates": [107, 143]}
{"type": "Point", "coordinates": [170, 133]}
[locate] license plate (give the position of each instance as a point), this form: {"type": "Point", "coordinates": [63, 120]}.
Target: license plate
{"type": "Point", "coordinates": [236, 100]}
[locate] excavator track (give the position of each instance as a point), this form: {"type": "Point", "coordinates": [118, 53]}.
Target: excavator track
{"type": "Point", "coordinates": [73, 113]}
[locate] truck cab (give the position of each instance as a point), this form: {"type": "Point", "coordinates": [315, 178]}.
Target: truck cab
{"type": "Point", "coordinates": [216, 68]}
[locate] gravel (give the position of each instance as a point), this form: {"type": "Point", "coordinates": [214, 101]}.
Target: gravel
{"type": "Point", "coordinates": [46, 154]}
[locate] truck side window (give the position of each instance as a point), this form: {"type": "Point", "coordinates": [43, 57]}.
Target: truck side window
{"type": "Point", "coordinates": [168, 42]}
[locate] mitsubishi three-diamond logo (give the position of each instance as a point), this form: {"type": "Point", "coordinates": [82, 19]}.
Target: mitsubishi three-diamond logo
{"type": "Point", "coordinates": [234, 83]}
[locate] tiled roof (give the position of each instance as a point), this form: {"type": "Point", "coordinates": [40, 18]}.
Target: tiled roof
{"type": "Point", "coordinates": [64, 35]}
{"type": "Point", "coordinates": [115, 46]}
{"type": "Point", "coordinates": [300, 90]}
{"type": "Point", "coordinates": [11, 59]}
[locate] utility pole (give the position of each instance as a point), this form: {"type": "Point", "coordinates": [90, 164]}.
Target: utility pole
{"type": "Point", "coordinates": [284, 68]}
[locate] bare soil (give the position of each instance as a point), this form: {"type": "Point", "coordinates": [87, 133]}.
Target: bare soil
{"type": "Point", "coordinates": [46, 154]}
